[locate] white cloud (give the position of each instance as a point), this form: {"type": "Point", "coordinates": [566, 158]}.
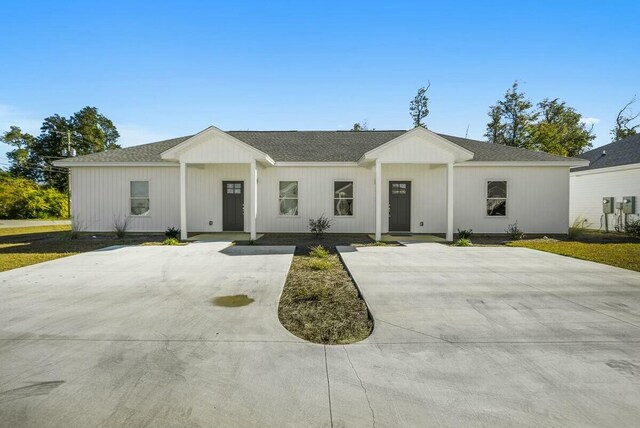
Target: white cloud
{"type": "Point", "coordinates": [590, 120]}
{"type": "Point", "coordinates": [133, 135]}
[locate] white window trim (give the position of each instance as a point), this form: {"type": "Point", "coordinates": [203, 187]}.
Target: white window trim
{"type": "Point", "coordinates": [279, 198]}
{"type": "Point", "coordinates": [334, 199]}
{"type": "Point", "coordinates": [506, 198]}
{"type": "Point", "coordinates": [138, 197]}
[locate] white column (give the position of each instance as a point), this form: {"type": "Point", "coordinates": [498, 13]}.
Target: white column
{"type": "Point", "coordinates": [450, 201]}
{"type": "Point", "coordinates": [254, 198]}
{"type": "Point", "coordinates": [378, 200]}
{"type": "Point", "coordinates": [183, 200]}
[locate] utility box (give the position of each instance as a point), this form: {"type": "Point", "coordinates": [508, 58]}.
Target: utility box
{"type": "Point", "coordinates": [607, 205]}
{"type": "Point", "coordinates": [629, 204]}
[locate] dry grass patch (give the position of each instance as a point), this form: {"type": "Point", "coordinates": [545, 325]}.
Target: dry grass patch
{"type": "Point", "coordinates": [625, 255]}
{"type": "Point", "coordinates": [322, 305]}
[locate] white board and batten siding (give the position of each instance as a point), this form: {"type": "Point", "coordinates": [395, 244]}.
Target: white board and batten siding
{"type": "Point", "coordinates": [101, 195]}
{"type": "Point", "coordinates": [315, 198]}
{"type": "Point", "coordinates": [590, 186]}
{"type": "Point", "coordinates": [537, 197]}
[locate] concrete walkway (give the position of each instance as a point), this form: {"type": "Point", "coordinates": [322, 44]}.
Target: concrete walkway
{"type": "Point", "coordinates": [491, 336]}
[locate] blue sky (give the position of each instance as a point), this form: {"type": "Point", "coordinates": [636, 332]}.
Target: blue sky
{"type": "Point", "coordinates": [161, 69]}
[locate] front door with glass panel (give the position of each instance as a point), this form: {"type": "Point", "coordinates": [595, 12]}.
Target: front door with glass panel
{"type": "Point", "coordinates": [399, 206]}
{"type": "Point", "coordinates": [232, 206]}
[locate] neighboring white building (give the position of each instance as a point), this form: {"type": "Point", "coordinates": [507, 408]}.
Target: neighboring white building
{"type": "Point", "coordinates": [613, 172]}
{"type": "Point", "coordinates": [412, 181]}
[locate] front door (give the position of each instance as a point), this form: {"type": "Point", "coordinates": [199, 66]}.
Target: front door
{"type": "Point", "coordinates": [233, 205]}
{"type": "Point", "coordinates": [399, 206]}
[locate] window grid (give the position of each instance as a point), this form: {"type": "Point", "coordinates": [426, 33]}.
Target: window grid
{"type": "Point", "coordinates": [343, 198]}
{"type": "Point", "coordinates": [496, 198]}
{"type": "Point", "coordinates": [139, 203]}
{"type": "Point", "coordinates": [288, 198]}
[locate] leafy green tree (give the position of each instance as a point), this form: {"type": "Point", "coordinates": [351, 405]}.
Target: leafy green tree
{"type": "Point", "coordinates": [559, 130]}
{"type": "Point", "coordinates": [511, 118]}
{"type": "Point", "coordinates": [419, 106]}
{"type": "Point", "coordinates": [496, 129]}
{"type": "Point", "coordinates": [21, 157]}
{"type": "Point", "coordinates": [86, 131]}
{"type": "Point", "coordinates": [622, 128]}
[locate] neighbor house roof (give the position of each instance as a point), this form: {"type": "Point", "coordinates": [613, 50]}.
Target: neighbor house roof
{"type": "Point", "coordinates": [317, 146]}
{"type": "Point", "coordinates": [621, 152]}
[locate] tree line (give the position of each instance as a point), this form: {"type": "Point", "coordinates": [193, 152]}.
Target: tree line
{"type": "Point", "coordinates": [550, 125]}
{"type": "Point", "coordinates": [33, 187]}
{"type": "Point", "coordinates": [86, 131]}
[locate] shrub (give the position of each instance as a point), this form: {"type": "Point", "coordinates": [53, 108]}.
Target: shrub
{"type": "Point", "coordinates": [121, 225]}
{"type": "Point", "coordinates": [172, 232]}
{"type": "Point", "coordinates": [77, 226]}
{"type": "Point", "coordinates": [22, 199]}
{"type": "Point", "coordinates": [171, 241]}
{"type": "Point", "coordinates": [514, 231]}
{"type": "Point", "coordinates": [577, 227]}
{"type": "Point", "coordinates": [379, 244]}
{"type": "Point", "coordinates": [319, 252]}
{"type": "Point", "coordinates": [632, 228]}
{"type": "Point", "coordinates": [320, 264]}
{"type": "Point", "coordinates": [319, 225]}
{"type": "Point", "coordinates": [465, 234]}
{"type": "Point", "coordinates": [462, 242]}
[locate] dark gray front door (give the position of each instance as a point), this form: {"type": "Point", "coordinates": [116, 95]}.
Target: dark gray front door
{"type": "Point", "coordinates": [233, 205]}
{"type": "Point", "coordinates": [399, 206]}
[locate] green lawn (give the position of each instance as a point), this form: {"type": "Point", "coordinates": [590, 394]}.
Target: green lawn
{"type": "Point", "coordinates": [23, 246]}
{"type": "Point", "coordinates": [625, 255]}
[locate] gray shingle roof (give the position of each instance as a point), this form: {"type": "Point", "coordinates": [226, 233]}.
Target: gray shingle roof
{"type": "Point", "coordinates": [317, 146]}
{"type": "Point", "coordinates": [622, 152]}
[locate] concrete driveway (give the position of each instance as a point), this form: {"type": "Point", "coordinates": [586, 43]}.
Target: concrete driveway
{"type": "Point", "coordinates": [129, 337]}
{"type": "Point", "coordinates": [492, 336]}
{"type": "Point", "coordinates": [474, 336]}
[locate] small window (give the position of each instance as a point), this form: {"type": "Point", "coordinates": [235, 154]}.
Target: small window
{"type": "Point", "coordinates": [139, 195]}
{"type": "Point", "coordinates": [343, 198]}
{"type": "Point", "coordinates": [496, 198]}
{"type": "Point", "coordinates": [398, 188]}
{"type": "Point", "coordinates": [288, 198]}
{"type": "Point", "coordinates": [234, 188]}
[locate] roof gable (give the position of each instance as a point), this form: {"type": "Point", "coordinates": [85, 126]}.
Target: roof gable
{"type": "Point", "coordinates": [419, 145]}
{"type": "Point", "coordinates": [214, 146]}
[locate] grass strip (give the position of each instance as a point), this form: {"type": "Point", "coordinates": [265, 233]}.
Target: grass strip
{"type": "Point", "coordinates": [320, 303]}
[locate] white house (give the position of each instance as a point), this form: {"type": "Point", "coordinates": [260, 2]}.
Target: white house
{"type": "Point", "coordinates": [413, 181]}
{"type": "Point", "coordinates": [613, 174]}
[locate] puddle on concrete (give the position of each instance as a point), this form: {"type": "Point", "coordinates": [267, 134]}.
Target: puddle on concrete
{"type": "Point", "coordinates": [232, 301]}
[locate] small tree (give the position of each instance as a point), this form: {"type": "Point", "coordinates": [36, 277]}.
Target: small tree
{"type": "Point", "coordinates": [419, 106]}
{"type": "Point", "coordinates": [511, 118]}
{"type": "Point", "coordinates": [360, 126]}
{"type": "Point", "coordinates": [625, 116]}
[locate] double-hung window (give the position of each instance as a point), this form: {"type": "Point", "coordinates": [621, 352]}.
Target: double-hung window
{"type": "Point", "coordinates": [288, 198]}
{"type": "Point", "coordinates": [496, 198]}
{"type": "Point", "coordinates": [139, 198]}
{"type": "Point", "coordinates": [343, 198]}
